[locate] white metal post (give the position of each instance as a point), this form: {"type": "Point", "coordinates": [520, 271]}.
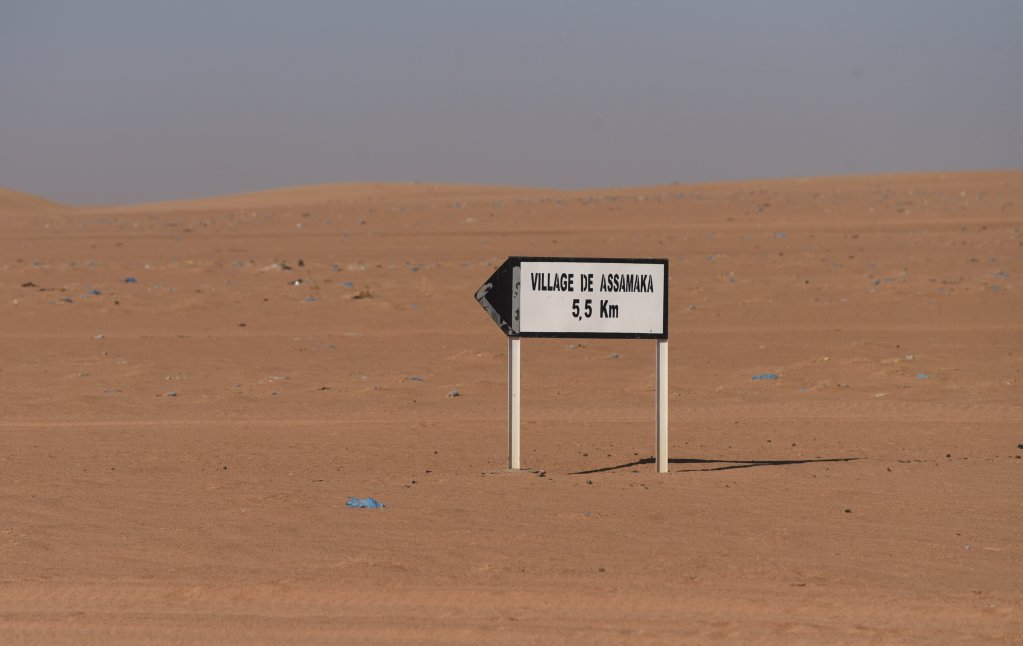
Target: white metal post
{"type": "Point", "coordinates": [662, 405]}
{"type": "Point", "coordinates": [513, 402]}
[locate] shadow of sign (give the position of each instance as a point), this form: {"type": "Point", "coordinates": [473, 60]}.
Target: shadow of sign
{"type": "Point", "coordinates": [725, 464]}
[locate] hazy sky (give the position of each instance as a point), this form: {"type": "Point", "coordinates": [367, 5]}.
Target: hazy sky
{"type": "Point", "coordinates": [122, 101]}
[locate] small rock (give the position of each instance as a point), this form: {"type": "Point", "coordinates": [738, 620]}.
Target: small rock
{"type": "Point", "coordinates": [131, 279]}
{"type": "Point", "coordinates": [170, 394]}
{"type": "Point", "coordinates": [454, 393]}
{"type": "Point", "coordinates": [99, 337]}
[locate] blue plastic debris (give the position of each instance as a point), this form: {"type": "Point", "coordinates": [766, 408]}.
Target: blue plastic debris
{"type": "Point", "coordinates": [365, 503]}
{"type": "Point", "coordinates": [348, 284]}
{"type": "Point", "coordinates": [922, 375]}
{"type": "Point", "coordinates": [764, 376]}
{"type": "Point", "coordinates": [130, 279]}
{"type": "Point", "coordinates": [96, 292]}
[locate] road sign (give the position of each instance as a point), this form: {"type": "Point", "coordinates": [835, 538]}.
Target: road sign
{"type": "Point", "coordinates": [579, 297]}
{"type": "Point", "coordinates": [583, 298]}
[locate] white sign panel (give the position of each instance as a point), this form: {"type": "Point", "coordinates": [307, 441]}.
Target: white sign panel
{"type": "Point", "coordinates": [585, 297]}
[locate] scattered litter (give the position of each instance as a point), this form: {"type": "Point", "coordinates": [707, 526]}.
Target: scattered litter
{"type": "Point", "coordinates": [131, 279]}
{"type": "Point", "coordinates": [764, 376]}
{"type": "Point", "coordinates": [454, 393]}
{"type": "Point", "coordinates": [349, 284]}
{"type": "Point", "coordinates": [311, 299]}
{"type": "Point", "coordinates": [95, 292]}
{"type": "Point", "coordinates": [296, 282]}
{"type": "Point", "coordinates": [414, 378]}
{"type": "Point", "coordinates": [1001, 274]}
{"type": "Point", "coordinates": [99, 337]}
{"type": "Point", "coordinates": [922, 375]}
{"type": "Point", "coordinates": [364, 503]}
{"type": "Point", "coordinates": [171, 394]}
{"type": "Point", "coordinates": [362, 293]}
{"type": "Point", "coordinates": [781, 235]}
{"type": "Point", "coordinates": [614, 355]}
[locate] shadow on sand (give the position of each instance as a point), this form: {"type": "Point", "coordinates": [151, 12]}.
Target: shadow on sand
{"type": "Point", "coordinates": [728, 464]}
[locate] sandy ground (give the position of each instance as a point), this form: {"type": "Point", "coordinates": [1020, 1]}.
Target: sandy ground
{"type": "Point", "coordinates": [178, 450]}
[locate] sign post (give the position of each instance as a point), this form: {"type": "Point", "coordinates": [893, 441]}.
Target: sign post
{"type": "Point", "coordinates": [580, 298]}
{"type": "Point", "coordinates": [514, 423]}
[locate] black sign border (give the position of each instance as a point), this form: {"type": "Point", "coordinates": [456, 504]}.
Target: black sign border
{"type": "Point", "coordinates": [516, 261]}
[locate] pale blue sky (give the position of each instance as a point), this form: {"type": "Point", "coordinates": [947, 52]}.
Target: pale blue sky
{"type": "Point", "coordinates": [122, 101]}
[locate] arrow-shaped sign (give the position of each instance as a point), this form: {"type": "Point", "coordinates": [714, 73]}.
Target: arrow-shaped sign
{"type": "Point", "coordinates": [499, 296]}
{"type": "Point", "coordinates": [579, 297]}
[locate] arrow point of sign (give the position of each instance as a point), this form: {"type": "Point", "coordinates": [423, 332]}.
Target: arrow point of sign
{"type": "Point", "coordinates": [496, 296]}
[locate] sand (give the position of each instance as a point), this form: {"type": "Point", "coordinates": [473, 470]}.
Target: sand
{"type": "Point", "coordinates": [178, 449]}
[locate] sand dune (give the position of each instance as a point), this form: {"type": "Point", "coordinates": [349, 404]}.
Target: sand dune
{"type": "Point", "coordinates": [15, 202]}
{"type": "Point", "coordinates": [192, 389]}
{"type": "Point", "coordinates": [325, 195]}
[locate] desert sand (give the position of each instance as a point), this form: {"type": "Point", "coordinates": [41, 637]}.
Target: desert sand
{"type": "Point", "coordinates": [191, 390]}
